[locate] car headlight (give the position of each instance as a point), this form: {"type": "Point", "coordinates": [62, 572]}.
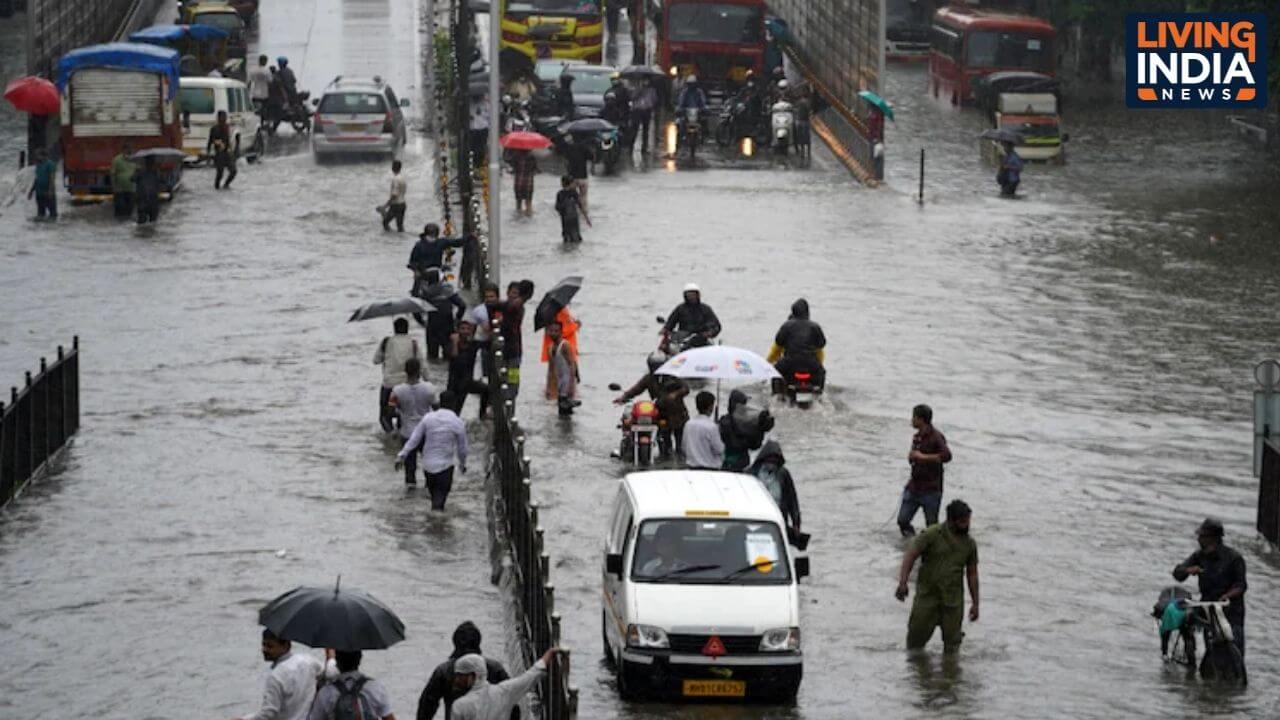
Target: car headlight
{"type": "Point", "coordinates": [780, 640]}
{"type": "Point", "coordinates": [647, 636]}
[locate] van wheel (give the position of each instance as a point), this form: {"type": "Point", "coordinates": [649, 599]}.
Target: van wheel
{"type": "Point", "coordinates": [604, 639]}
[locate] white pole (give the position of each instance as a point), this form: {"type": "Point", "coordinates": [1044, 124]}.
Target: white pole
{"type": "Point", "coordinates": [495, 151]}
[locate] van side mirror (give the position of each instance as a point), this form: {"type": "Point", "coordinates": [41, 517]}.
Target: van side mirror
{"type": "Point", "coordinates": [613, 564]}
{"type": "Point", "coordinates": [802, 567]}
{"type": "Point", "coordinates": [802, 541]}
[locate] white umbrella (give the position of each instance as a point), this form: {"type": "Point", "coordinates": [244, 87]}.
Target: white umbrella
{"type": "Point", "coordinates": [719, 362]}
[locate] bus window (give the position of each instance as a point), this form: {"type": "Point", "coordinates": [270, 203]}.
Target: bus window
{"type": "Point", "coordinates": [946, 42]}
{"type": "Point", "coordinates": [989, 48]}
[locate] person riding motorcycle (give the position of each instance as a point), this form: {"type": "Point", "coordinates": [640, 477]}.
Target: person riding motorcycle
{"type": "Point", "coordinates": [692, 97]}
{"type": "Point", "coordinates": [800, 345]}
{"type": "Point", "coordinates": [288, 79]}
{"type": "Point", "coordinates": [563, 97]}
{"type": "Point", "coordinates": [692, 316]}
{"type": "Point", "coordinates": [752, 99]}
{"type": "Point", "coordinates": [668, 394]}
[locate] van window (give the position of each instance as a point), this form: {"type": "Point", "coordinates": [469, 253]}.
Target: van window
{"type": "Point", "coordinates": [235, 101]}
{"type": "Point", "coordinates": [352, 103]}
{"type": "Point", "coordinates": [196, 100]}
{"type": "Point", "coordinates": [696, 551]}
{"type": "Point", "coordinates": [619, 526]}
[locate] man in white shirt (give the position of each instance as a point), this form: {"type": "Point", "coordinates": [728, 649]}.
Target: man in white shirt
{"type": "Point", "coordinates": [441, 435]}
{"type": "Point", "coordinates": [484, 701]}
{"type": "Point", "coordinates": [395, 207]}
{"type": "Point", "coordinates": [291, 686]}
{"type": "Point", "coordinates": [413, 400]}
{"type": "Point", "coordinates": [352, 689]}
{"type": "Point", "coordinates": [703, 447]}
{"type": "Point", "coordinates": [259, 83]}
{"type": "Point", "coordinates": [393, 352]}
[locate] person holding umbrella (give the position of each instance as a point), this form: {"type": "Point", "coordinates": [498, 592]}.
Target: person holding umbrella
{"type": "Point", "coordinates": [523, 167]}
{"type": "Point", "coordinates": [45, 190]}
{"type": "Point", "coordinates": [554, 307]}
{"type": "Point", "coordinates": [562, 372]}
{"type": "Point", "coordinates": [290, 688]}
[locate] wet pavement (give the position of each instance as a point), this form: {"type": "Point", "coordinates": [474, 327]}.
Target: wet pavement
{"type": "Point", "coordinates": [1087, 350]}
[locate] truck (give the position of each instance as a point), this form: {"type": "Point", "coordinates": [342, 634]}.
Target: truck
{"type": "Point", "coordinates": [720, 41]}
{"type": "Point", "coordinates": [113, 94]}
{"type": "Point", "coordinates": [563, 29]}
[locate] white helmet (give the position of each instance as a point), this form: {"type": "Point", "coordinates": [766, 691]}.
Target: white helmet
{"type": "Point", "coordinates": [782, 84]}
{"type": "Point", "coordinates": [692, 287]}
{"type": "Point", "coordinates": [692, 79]}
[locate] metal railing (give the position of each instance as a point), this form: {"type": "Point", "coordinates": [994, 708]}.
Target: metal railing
{"type": "Point", "coordinates": [1269, 493]}
{"type": "Point", "coordinates": [520, 524]}
{"type": "Point", "coordinates": [39, 420]}
{"type": "Point", "coordinates": [841, 128]}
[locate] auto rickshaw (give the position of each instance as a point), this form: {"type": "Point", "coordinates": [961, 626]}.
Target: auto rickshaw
{"type": "Point", "coordinates": [203, 48]}
{"type": "Point", "coordinates": [224, 17]}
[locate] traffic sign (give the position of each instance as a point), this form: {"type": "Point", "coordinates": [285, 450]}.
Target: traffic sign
{"type": "Point", "coordinates": [1267, 373]}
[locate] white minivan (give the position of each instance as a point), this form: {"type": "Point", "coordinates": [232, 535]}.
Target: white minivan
{"type": "Point", "coordinates": [200, 99]}
{"type": "Point", "coordinates": [701, 591]}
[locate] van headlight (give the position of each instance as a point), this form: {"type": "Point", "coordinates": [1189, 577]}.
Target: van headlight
{"type": "Point", "coordinates": [780, 640]}
{"type": "Point", "coordinates": [647, 636]}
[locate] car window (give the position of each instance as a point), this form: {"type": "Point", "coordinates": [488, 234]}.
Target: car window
{"type": "Point", "coordinates": [697, 551]}
{"type": "Point", "coordinates": [352, 103]}
{"type": "Point", "coordinates": [590, 83]}
{"type": "Point", "coordinates": [195, 100]}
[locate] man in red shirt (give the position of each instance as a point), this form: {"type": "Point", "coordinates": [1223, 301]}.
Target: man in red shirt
{"type": "Point", "coordinates": [929, 452]}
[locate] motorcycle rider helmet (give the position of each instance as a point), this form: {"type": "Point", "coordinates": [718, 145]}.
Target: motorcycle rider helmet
{"type": "Point", "coordinates": [692, 287]}
{"type": "Point", "coordinates": [782, 85]}
{"type": "Point", "coordinates": [655, 361]}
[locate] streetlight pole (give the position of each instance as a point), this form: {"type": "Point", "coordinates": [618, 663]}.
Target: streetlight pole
{"type": "Point", "coordinates": [495, 151]}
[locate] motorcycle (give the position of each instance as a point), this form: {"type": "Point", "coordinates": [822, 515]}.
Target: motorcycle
{"type": "Point", "coordinates": [690, 131]}
{"type": "Point", "coordinates": [296, 113]}
{"type": "Point", "coordinates": [515, 115]}
{"type": "Point", "coordinates": [784, 125]}
{"type": "Point", "coordinates": [677, 341]}
{"type": "Point", "coordinates": [609, 149]}
{"type": "Point", "coordinates": [735, 123]}
{"type": "Point", "coordinates": [802, 388]}
{"type": "Point", "coordinates": [642, 428]}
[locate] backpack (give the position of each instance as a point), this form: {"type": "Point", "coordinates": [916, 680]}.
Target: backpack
{"type": "Point", "coordinates": [351, 705]}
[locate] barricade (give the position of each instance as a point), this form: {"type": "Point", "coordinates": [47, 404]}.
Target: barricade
{"type": "Point", "coordinates": [39, 420]}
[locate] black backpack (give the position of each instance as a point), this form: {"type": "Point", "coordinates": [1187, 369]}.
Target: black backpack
{"type": "Point", "coordinates": [350, 705]}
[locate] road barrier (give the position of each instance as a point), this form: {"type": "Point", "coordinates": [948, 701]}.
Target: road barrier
{"type": "Point", "coordinates": [522, 532]}
{"type": "Point", "coordinates": [1269, 493]}
{"type": "Point", "coordinates": [39, 421]}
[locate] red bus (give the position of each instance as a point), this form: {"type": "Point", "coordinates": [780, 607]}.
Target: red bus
{"type": "Point", "coordinates": [966, 43]}
{"type": "Point", "coordinates": [718, 40]}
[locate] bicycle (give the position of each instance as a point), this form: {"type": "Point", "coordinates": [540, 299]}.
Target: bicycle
{"type": "Point", "coordinates": [1222, 660]}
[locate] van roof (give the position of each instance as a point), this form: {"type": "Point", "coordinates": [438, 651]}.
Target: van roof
{"type": "Point", "coordinates": [203, 81]}
{"type": "Point", "coordinates": [699, 493]}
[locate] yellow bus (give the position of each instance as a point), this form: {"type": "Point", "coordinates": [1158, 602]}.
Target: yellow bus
{"type": "Point", "coordinates": [570, 29]}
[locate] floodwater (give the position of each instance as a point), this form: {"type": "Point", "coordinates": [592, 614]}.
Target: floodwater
{"type": "Point", "coordinates": [1087, 350]}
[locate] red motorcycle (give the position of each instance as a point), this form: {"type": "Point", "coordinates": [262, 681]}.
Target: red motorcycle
{"type": "Point", "coordinates": [641, 425]}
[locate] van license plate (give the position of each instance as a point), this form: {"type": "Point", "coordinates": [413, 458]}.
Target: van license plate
{"type": "Point", "coordinates": [715, 688]}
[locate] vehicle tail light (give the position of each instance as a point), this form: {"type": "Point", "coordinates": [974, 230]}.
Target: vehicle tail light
{"type": "Point", "coordinates": [803, 377]}
{"type": "Point", "coordinates": [386, 124]}
{"type": "Point", "coordinates": [317, 125]}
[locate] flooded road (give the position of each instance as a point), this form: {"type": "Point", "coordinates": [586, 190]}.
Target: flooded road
{"type": "Point", "coordinates": [229, 448]}
{"type": "Point", "coordinates": [1087, 350]}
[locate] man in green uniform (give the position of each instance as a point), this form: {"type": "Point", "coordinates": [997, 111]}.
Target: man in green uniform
{"type": "Point", "coordinates": [950, 556]}
{"type": "Point", "coordinates": [122, 172]}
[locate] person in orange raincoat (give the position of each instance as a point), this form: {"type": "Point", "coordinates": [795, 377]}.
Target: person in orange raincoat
{"type": "Point", "coordinates": [569, 331]}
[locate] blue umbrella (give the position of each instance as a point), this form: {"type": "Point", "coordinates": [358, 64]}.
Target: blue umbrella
{"type": "Point", "coordinates": [165, 34]}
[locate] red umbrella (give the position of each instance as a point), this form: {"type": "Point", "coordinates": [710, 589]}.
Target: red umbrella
{"type": "Point", "coordinates": [523, 140]}
{"type": "Point", "coordinates": [33, 95]}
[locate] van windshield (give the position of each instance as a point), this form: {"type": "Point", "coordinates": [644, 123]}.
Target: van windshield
{"type": "Point", "coordinates": [699, 551]}
{"type": "Point", "coordinates": [196, 100]}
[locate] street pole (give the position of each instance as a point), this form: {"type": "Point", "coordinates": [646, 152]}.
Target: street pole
{"type": "Point", "coordinates": [462, 90]}
{"type": "Point", "coordinates": [429, 111]}
{"type": "Point", "coordinates": [495, 152]}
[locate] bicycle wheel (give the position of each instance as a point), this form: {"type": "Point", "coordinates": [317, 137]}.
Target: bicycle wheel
{"type": "Point", "coordinates": [1222, 662]}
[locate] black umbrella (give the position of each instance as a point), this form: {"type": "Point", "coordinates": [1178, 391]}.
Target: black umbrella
{"type": "Point", "coordinates": [641, 71]}
{"type": "Point", "coordinates": [159, 153]}
{"type": "Point", "coordinates": [555, 299]}
{"type": "Point", "coordinates": [588, 125]}
{"type": "Point", "coordinates": [407, 306]}
{"type": "Point", "coordinates": [1003, 135]}
{"type": "Point", "coordinates": [332, 618]}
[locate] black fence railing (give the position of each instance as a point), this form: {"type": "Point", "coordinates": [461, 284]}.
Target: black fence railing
{"type": "Point", "coordinates": [38, 421]}
{"type": "Point", "coordinates": [521, 530]}
{"type": "Point", "coordinates": [1269, 493]}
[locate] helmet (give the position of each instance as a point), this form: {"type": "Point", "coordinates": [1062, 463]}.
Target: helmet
{"type": "Point", "coordinates": [692, 287]}
{"type": "Point", "coordinates": [655, 360]}
{"type": "Point", "coordinates": [615, 76]}
{"type": "Point", "coordinates": [1212, 527]}
{"type": "Point", "coordinates": [782, 84]}
{"type": "Point", "coordinates": [282, 60]}
{"type": "Point", "coordinates": [692, 80]}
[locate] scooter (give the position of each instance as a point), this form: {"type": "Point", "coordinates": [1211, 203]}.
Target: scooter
{"type": "Point", "coordinates": [609, 149]}
{"type": "Point", "coordinates": [296, 113]}
{"type": "Point", "coordinates": [802, 390]}
{"type": "Point", "coordinates": [784, 125]}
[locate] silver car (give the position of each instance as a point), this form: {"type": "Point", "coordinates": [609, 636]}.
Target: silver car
{"type": "Point", "coordinates": [358, 117]}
